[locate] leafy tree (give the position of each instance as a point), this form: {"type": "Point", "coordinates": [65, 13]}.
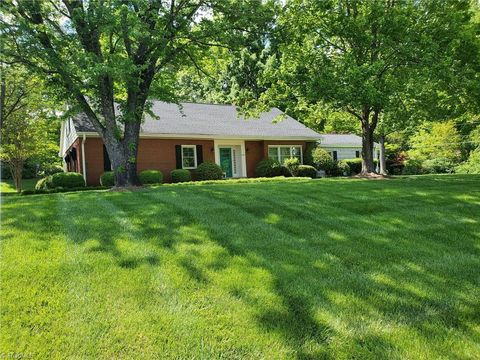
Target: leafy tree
{"type": "Point", "coordinates": [25, 128]}
{"type": "Point", "coordinates": [359, 57]}
{"type": "Point", "coordinates": [109, 57]}
{"type": "Point", "coordinates": [231, 73]}
{"type": "Point", "coordinates": [472, 164]}
{"type": "Point", "coordinates": [436, 142]}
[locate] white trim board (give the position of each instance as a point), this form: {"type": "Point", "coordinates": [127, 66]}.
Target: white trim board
{"type": "Point", "coordinates": [211, 137]}
{"type": "Point", "coordinates": [230, 142]}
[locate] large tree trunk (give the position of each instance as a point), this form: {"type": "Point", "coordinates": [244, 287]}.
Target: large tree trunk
{"type": "Point", "coordinates": [368, 166]}
{"type": "Point", "coordinates": [383, 162]}
{"type": "Point", "coordinates": [123, 160]}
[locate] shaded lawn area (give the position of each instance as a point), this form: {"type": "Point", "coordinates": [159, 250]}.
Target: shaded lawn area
{"type": "Point", "coordinates": [8, 186]}
{"type": "Point", "coordinates": [313, 269]}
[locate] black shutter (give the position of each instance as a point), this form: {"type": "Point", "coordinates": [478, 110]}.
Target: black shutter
{"type": "Point", "coordinates": [357, 154]}
{"type": "Point", "coordinates": [199, 154]}
{"type": "Point", "coordinates": [107, 166]}
{"type": "Point", "coordinates": [335, 155]}
{"type": "Point", "coordinates": [178, 156]}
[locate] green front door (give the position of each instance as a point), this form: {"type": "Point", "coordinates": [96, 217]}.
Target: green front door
{"type": "Point", "coordinates": [226, 161]}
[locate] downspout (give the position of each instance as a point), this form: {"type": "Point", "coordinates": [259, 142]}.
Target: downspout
{"type": "Point", "coordinates": [83, 159]}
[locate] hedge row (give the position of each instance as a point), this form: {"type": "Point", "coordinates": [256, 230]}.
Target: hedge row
{"type": "Point", "coordinates": [204, 182]}
{"type": "Point", "coordinates": [67, 180]}
{"type": "Point", "coordinates": [271, 168]}
{"type": "Point", "coordinates": [206, 171]}
{"type": "Point", "coordinates": [62, 189]}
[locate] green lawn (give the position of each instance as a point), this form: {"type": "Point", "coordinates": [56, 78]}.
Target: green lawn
{"type": "Point", "coordinates": [312, 269]}
{"type": "Point", "coordinates": [8, 186]}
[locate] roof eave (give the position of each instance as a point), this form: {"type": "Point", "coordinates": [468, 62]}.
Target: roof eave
{"type": "Point", "coordinates": [210, 136]}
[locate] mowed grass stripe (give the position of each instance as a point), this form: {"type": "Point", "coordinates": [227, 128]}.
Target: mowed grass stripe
{"type": "Point", "coordinates": [332, 269]}
{"type": "Point", "coordinates": [129, 282]}
{"type": "Point", "coordinates": [34, 284]}
{"type": "Point", "coordinates": [195, 259]}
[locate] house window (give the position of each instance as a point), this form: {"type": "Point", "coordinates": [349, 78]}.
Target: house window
{"type": "Point", "coordinates": [189, 157]}
{"type": "Point", "coordinates": [357, 154]}
{"type": "Point", "coordinates": [282, 152]}
{"type": "Point", "coordinates": [334, 155]}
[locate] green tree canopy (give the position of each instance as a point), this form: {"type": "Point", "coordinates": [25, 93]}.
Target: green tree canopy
{"type": "Point", "coordinates": [362, 57]}
{"type": "Point", "coordinates": [107, 58]}
{"type": "Point", "coordinates": [25, 127]}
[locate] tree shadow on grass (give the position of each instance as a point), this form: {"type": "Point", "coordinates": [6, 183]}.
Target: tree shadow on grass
{"type": "Point", "coordinates": [322, 255]}
{"type": "Point", "coordinates": [422, 303]}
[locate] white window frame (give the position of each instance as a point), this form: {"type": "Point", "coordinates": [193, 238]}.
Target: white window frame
{"type": "Point", "coordinates": [290, 147]}
{"type": "Point", "coordinates": [194, 147]}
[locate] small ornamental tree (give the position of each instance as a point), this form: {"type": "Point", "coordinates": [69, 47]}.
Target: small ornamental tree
{"type": "Point", "coordinates": [24, 128]}
{"type": "Point", "coordinates": [322, 160]}
{"type": "Point", "coordinates": [292, 165]}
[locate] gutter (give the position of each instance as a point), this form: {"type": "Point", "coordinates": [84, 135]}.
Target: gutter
{"type": "Point", "coordinates": [213, 137]}
{"type": "Point", "coordinates": [83, 159]}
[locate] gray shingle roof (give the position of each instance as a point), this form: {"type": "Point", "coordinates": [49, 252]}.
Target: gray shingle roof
{"type": "Point", "coordinates": [213, 120]}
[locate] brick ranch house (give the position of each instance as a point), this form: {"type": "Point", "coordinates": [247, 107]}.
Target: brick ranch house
{"type": "Point", "coordinates": [185, 136]}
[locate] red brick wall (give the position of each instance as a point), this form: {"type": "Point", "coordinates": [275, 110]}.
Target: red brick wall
{"type": "Point", "coordinates": [258, 150]}
{"type": "Point", "coordinates": [254, 154]}
{"type": "Point", "coordinates": [156, 154]}
{"type": "Point", "coordinates": [94, 160]}
{"type": "Point", "coordinates": [159, 154]}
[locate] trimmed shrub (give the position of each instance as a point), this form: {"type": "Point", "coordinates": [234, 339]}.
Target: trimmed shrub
{"type": "Point", "coordinates": [180, 175]}
{"type": "Point", "coordinates": [53, 169]}
{"type": "Point", "coordinates": [42, 184]}
{"type": "Point", "coordinates": [67, 180]}
{"type": "Point", "coordinates": [107, 179]}
{"type": "Point", "coordinates": [307, 171]}
{"type": "Point", "coordinates": [355, 165]}
{"type": "Point", "coordinates": [283, 171]}
{"type": "Point", "coordinates": [438, 166]}
{"type": "Point", "coordinates": [292, 165]}
{"type": "Point", "coordinates": [412, 167]}
{"type": "Point", "coordinates": [150, 177]}
{"type": "Point", "coordinates": [323, 160]}
{"type": "Point", "coordinates": [268, 168]}
{"type": "Point", "coordinates": [208, 170]}
{"type": "Point", "coordinates": [343, 168]}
